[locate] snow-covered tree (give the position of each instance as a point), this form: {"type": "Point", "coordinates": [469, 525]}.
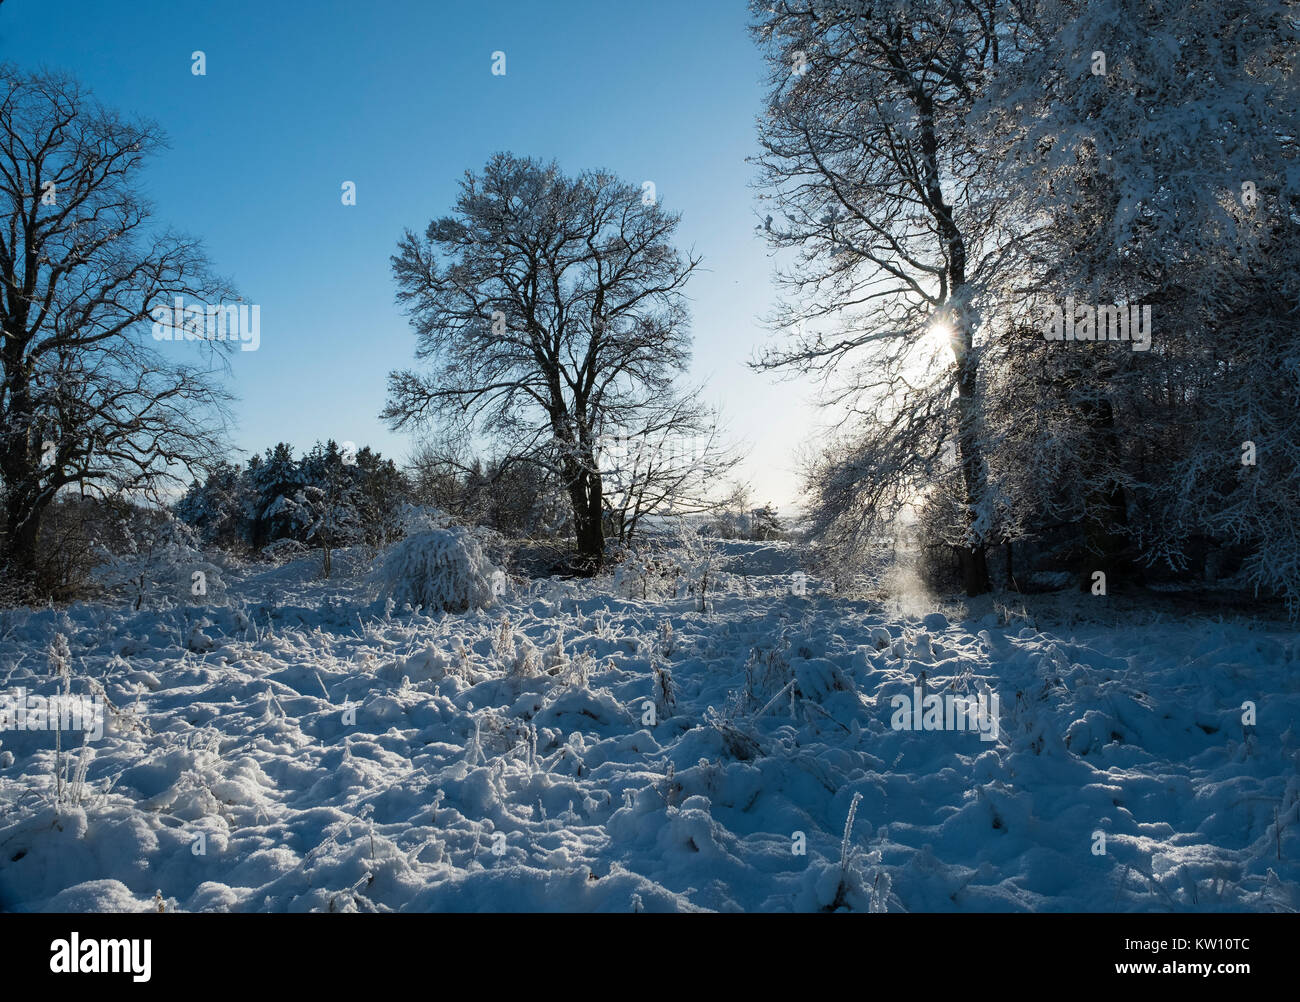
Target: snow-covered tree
{"type": "Point", "coordinates": [331, 502]}
{"type": "Point", "coordinates": [869, 167]}
{"type": "Point", "coordinates": [552, 307]}
{"type": "Point", "coordinates": [276, 480]}
{"type": "Point", "coordinates": [765, 523]}
{"type": "Point", "coordinates": [217, 509]}
{"type": "Point", "coordinates": [1155, 143]}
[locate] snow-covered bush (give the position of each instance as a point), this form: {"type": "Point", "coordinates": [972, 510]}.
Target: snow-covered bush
{"type": "Point", "coordinates": [643, 576]}
{"type": "Point", "coordinates": [417, 518]}
{"type": "Point", "coordinates": [437, 569]}
{"type": "Point", "coordinates": [698, 560]}
{"type": "Point", "coordinates": [160, 563]}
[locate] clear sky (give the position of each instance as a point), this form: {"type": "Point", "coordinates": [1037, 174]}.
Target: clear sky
{"type": "Point", "coordinates": [398, 97]}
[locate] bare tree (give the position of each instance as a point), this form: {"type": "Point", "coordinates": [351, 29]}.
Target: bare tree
{"type": "Point", "coordinates": [550, 308]}
{"type": "Point", "coordinates": [676, 463]}
{"type": "Point", "coordinates": [88, 398]}
{"type": "Point", "coordinates": [875, 182]}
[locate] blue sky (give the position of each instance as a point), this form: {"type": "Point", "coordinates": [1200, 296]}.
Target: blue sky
{"type": "Point", "coordinates": [398, 97]}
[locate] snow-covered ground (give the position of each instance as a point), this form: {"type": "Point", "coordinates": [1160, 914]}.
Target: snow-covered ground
{"type": "Point", "coordinates": [300, 749]}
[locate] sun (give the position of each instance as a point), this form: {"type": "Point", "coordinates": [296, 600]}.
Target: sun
{"type": "Point", "coordinates": [942, 331]}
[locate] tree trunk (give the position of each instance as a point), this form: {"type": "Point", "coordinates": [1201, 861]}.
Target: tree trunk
{"type": "Point", "coordinates": [1105, 506]}
{"type": "Point", "coordinates": [588, 502]}
{"type": "Point", "coordinates": [974, 560]}
{"type": "Point", "coordinates": [22, 529]}
{"type": "Point", "coordinates": [21, 475]}
{"type": "Point", "coordinates": [974, 563]}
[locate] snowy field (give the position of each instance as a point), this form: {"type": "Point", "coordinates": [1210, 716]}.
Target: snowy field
{"type": "Point", "coordinates": [302, 748]}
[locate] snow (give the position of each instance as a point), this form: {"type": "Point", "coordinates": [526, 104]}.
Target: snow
{"type": "Point", "coordinates": [327, 752]}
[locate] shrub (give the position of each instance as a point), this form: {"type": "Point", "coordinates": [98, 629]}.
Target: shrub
{"type": "Point", "coordinates": [437, 569]}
